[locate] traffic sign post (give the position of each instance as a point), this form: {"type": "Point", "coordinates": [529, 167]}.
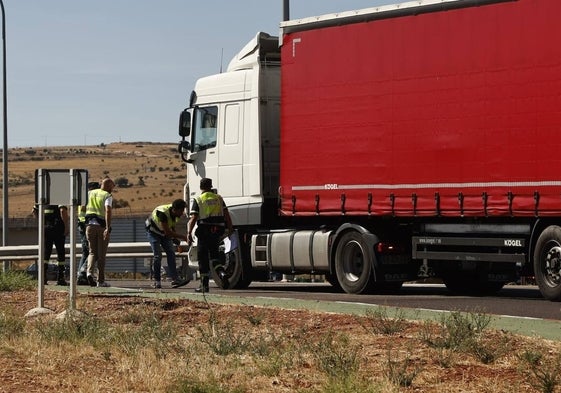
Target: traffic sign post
{"type": "Point", "coordinates": [58, 187]}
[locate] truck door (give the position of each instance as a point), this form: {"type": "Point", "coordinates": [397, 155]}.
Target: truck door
{"type": "Point", "coordinates": [230, 181]}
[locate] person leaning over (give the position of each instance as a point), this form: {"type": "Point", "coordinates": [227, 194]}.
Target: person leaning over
{"type": "Point", "coordinates": [82, 278]}
{"type": "Point", "coordinates": [160, 230]}
{"type": "Point", "coordinates": [211, 215]}
{"type": "Point", "coordinates": [98, 229]}
{"type": "Point", "coordinates": [56, 229]}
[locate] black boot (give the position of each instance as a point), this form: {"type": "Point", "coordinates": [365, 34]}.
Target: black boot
{"type": "Point", "coordinates": [82, 279]}
{"type": "Point", "coordinates": [204, 284]}
{"type": "Point", "coordinates": [60, 277]}
{"type": "Point", "coordinates": [45, 271]}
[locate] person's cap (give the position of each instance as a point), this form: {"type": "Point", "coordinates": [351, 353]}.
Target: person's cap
{"type": "Point", "coordinates": [206, 183]}
{"type": "Point", "coordinates": [93, 185]}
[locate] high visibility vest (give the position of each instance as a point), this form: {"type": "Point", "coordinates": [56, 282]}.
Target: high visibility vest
{"type": "Point", "coordinates": [154, 223]}
{"type": "Point", "coordinates": [81, 215]}
{"type": "Point", "coordinates": [96, 203]}
{"type": "Point", "coordinates": [211, 208]}
{"type": "Point", "coordinates": [52, 216]}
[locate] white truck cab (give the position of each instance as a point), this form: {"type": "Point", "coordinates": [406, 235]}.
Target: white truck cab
{"type": "Point", "coordinates": [231, 130]}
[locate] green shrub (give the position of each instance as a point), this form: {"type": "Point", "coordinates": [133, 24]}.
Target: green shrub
{"type": "Point", "coordinates": [378, 321]}
{"type": "Point", "coordinates": [16, 280]}
{"type": "Point", "coordinates": [336, 357]}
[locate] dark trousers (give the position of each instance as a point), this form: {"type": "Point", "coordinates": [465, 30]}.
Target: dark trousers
{"type": "Point", "coordinates": [54, 237]}
{"type": "Point", "coordinates": [208, 240]}
{"type": "Point", "coordinates": [159, 242]}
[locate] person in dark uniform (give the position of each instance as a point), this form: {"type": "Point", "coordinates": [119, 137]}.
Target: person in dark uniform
{"type": "Point", "coordinates": [211, 215]}
{"type": "Point", "coordinates": [56, 228]}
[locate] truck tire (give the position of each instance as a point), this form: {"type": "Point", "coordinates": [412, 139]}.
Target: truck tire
{"type": "Point", "coordinates": [547, 263]}
{"type": "Point", "coordinates": [332, 279]}
{"type": "Point", "coordinates": [238, 275]}
{"type": "Point", "coordinates": [353, 263]}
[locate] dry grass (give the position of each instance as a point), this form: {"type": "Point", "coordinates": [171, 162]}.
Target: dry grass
{"type": "Point", "coordinates": [159, 166]}
{"type": "Point", "coordinates": [134, 344]}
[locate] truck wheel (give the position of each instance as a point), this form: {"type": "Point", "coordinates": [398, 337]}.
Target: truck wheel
{"type": "Point", "coordinates": [353, 263]}
{"type": "Point", "coordinates": [547, 263]}
{"type": "Point", "coordinates": [234, 269]}
{"type": "Point", "coordinates": [332, 279]}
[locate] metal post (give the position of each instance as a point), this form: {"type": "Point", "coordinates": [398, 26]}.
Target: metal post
{"type": "Point", "coordinates": [72, 219]}
{"type": "Point", "coordinates": [41, 268]}
{"type": "Point", "coordinates": [5, 214]}
{"type": "Point", "coordinates": [286, 10]}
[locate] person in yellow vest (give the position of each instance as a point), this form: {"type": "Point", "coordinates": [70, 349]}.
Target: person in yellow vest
{"type": "Point", "coordinates": [211, 215]}
{"type": "Point", "coordinates": [160, 230]}
{"type": "Point", "coordinates": [98, 230]}
{"type": "Point", "coordinates": [82, 278]}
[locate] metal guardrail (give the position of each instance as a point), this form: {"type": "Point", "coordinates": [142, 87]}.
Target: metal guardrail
{"type": "Point", "coordinates": [115, 250]}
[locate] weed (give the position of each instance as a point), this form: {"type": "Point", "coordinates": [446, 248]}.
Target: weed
{"type": "Point", "coordinates": [445, 357]}
{"type": "Point", "coordinates": [545, 372]}
{"type": "Point", "coordinates": [488, 350]}
{"type": "Point", "coordinates": [456, 330]}
{"type": "Point", "coordinates": [10, 325]}
{"type": "Point", "coordinates": [254, 317]}
{"type": "Point", "coordinates": [266, 344]}
{"type": "Point", "coordinates": [351, 385]}
{"type": "Point", "coordinates": [73, 330]}
{"type": "Point", "coordinates": [186, 386]}
{"type": "Point", "coordinates": [152, 333]}
{"type": "Point", "coordinates": [223, 339]}
{"type": "Point", "coordinates": [401, 372]}
{"type": "Point", "coordinates": [273, 364]}
{"type": "Point", "coordinates": [336, 356]}
{"type": "Point", "coordinates": [378, 321]}
{"type": "Point", "coordinates": [14, 280]}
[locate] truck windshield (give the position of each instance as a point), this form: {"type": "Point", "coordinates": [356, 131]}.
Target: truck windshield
{"type": "Point", "coordinates": [204, 132]}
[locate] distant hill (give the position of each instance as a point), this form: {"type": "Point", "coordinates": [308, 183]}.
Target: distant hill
{"type": "Point", "coordinates": [147, 174]}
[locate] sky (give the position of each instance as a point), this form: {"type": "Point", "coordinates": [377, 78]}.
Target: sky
{"type": "Point", "coordinates": [84, 72]}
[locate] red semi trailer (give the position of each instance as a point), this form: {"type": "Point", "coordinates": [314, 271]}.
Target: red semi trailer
{"type": "Point", "coordinates": [381, 145]}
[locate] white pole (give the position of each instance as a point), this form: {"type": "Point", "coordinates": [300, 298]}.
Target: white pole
{"type": "Point", "coordinates": [72, 219]}
{"type": "Point", "coordinates": [41, 241]}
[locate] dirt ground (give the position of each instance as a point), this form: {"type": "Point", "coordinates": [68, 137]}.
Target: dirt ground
{"type": "Point", "coordinates": [438, 371]}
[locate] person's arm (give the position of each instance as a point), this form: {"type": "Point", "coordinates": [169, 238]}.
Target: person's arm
{"type": "Point", "coordinates": [192, 220]}
{"type": "Point", "coordinates": [108, 216]}
{"type": "Point", "coordinates": [228, 219]}
{"type": "Point", "coordinates": [168, 232]}
{"type": "Point", "coordinates": [190, 226]}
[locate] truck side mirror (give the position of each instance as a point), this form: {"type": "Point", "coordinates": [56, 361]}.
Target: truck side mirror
{"type": "Point", "coordinates": [185, 123]}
